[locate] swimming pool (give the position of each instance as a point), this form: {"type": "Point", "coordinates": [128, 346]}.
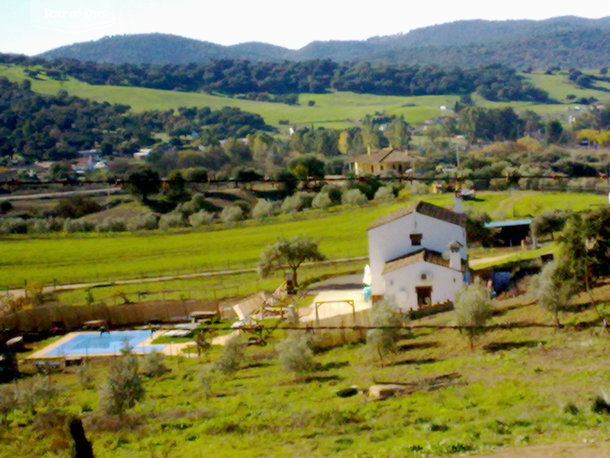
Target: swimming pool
{"type": "Point", "coordinates": [108, 343]}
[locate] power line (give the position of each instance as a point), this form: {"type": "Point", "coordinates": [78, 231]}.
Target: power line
{"type": "Point", "coordinates": [502, 326]}
{"type": "Point", "coordinates": [403, 179]}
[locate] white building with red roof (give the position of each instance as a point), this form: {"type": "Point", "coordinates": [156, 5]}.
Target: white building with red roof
{"type": "Point", "coordinates": [418, 255]}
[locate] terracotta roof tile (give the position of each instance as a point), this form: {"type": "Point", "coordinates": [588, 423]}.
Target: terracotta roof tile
{"type": "Point", "coordinates": [383, 155]}
{"type": "Point", "coordinates": [426, 255]}
{"type": "Point", "coordinates": [423, 208]}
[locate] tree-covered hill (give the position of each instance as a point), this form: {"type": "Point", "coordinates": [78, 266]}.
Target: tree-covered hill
{"type": "Point", "coordinates": [565, 49]}
{"type": "Point", "coordinates": [283, 79]}
{"type": "Point", "coordinates": [563, 41]}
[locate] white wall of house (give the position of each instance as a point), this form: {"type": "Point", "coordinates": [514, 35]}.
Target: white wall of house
{"type": "Point", "coordinates": [400, 284]}
{"type": "Point", "coordinates": [392, 240]}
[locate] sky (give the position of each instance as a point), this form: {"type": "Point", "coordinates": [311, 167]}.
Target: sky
{"type": "Point", "coordinates": [33, 26]}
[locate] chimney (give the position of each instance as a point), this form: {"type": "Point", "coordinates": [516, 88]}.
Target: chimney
{"type": "Point", "coordinates": [455, 259]}
{"type": "Point", "coordinates": [458, 206]}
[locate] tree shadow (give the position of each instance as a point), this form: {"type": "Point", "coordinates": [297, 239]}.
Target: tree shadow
{"type": "Point", "coordinates": [222, 195]}
{"type": "Point", "coordinates": [255, 365]}
{"type": "Point", "coordinates": [417, 346]}
{"type": "Point", "coordinates": [502, 346]}
{"type": "Point", "coordinates": [321, 378]}
{"type": "Point", "coordinates": [510, 308]}
{"type": "Point", "coordinates": [332, 365]}
{"type": "Point", "coordinates": [577, 308]}
{"type": "Point", "coordinates": [585, 324]}
{"type": "Point", "coordinates": [408, 362]}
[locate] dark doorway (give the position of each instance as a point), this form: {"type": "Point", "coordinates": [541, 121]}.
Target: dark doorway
{"type": "Point", "coordinates": [424, 295]}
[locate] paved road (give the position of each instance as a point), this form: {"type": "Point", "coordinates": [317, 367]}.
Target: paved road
{"type": "Point", "coordinates": [54, 195]}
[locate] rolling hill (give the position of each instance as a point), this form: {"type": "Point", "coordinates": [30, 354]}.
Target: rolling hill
{"type": "Point", "coordinates": [564, 41]}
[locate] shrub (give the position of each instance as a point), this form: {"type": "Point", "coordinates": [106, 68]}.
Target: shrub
{"type": "Point", "coordinates": [13, 226]}
{"type": "Point", "coordinates": [334, 192]}
{"type": "Point", "coordinates": [123, 388]}
{"type": "Point", "coordinates": [231, 214]}
{"type": "Point", "coordinates": [601, 405]}
{"type": "Point", "coordinates": [382, 341]}
{"type": "Point", "coordinates": [295, 353]}
{"type": "Point", "coordinates": [201, 218]}
{"type": "Point", "coordinates": [231, 357]}
{"type": "Point", "coordinates": [173, 219]}
{"type": "Point", "coordinates": [145, 221]}
{"type": "Point", "coordinates": [197, 174]}
{"type": "Point", "coordinates": [5, 206]}
{"type": "Point", "coordinates": [112, 225]}
{"type": "Point", "coordinates": [153, 364]}
{"type": "Point", "coordinates": [245, 207]}
{"type": "Point", "coordinates": [75, 207]}
{"type": "Point", "coordinates": [197, 203]}
{"type": "Point", "coordinates": [78, 225]}
{"type": "Point", "coordinates": [206, 379]}
{"type": "Point", "coordinates": [33, 391]}
{"type": "Point", "coordinates": [384, 194]}
{"type": "Point", "coordinates": [85, 375]}
{"type": "Point", "coordinates": [263, 209]}
{"type": "Point", "coordinates": [417, 188]}
{"type": "Point", "coordinates": [322, 201]}
{"type": "Point", "coordinates": [473, 309]}
{"type": "Point", "coordinates": [353, 197]}
{"type": "Point", "coordinates": [8, 402]}
{"type": "Point", "coordinates": [297, 202]}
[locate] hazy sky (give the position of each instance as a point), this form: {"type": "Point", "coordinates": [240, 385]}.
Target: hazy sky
{"type": "Point", "coordinates": [33, 26]}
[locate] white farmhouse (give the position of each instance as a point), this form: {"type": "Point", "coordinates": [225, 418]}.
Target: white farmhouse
{"type": "Point", "coordinates": [418, 255]}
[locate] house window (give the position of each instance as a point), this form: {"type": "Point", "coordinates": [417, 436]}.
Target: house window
{"type": "Point", "coordinates": [415, 239]}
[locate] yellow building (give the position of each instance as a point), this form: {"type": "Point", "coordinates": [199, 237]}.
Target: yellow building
{"type": "Point", "coordinates": [382, 161]}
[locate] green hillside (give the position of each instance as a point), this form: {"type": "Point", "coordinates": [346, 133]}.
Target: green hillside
{"type": "Point", "coordinates": [521, 392]}
{"type": "Point", "coordinates": [335, 110]}
{"type": "Point", "coordinates": [339, 109]}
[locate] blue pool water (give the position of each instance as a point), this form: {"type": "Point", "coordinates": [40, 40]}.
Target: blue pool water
{"type": "Point", "coordinates": [94, 343]}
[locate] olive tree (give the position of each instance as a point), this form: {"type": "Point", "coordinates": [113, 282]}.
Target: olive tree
{"type": "Point", "coordinates": [295, 353]}
{"type": "Point", "coordinates": [382, 339]}
{"type": "Point", "coordinates": [123, 388]}
{"type": "Point", "coordinates": [473, 308]}
{"type": "Point", "coordinates": [550, 291]}
{"type": "Point", "coordinates": [289, 253]}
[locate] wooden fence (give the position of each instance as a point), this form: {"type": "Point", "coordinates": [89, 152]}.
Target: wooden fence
{"type": "Point", "coordinates": [44, 318]}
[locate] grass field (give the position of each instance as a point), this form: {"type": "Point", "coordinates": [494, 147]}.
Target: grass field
{"type": "Point", "coordinates": [517, 389]}
{"type": "Point", "coordinates": [337, 110]}
{"type": "Point", "coordinates": [558, 86]}
{"type": "Point", "coordinates": [333, 110]}
{"type": "Point", "coordinates": [341, 232]}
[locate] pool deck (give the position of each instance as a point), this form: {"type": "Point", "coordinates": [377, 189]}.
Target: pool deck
{"type": "Point", "coordinates": [42, 353]}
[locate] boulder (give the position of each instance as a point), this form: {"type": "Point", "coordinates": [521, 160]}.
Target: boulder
{"type": "Point", "coordinates": [380, 392]}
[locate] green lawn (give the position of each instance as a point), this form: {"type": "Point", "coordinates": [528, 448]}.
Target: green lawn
{"type": "Point", "coordinates": [341, 232]}
{"type": "Point", "coordinates": [517, 388]}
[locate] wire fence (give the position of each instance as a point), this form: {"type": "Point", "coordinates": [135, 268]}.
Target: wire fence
{"type": "Point", "coordinates": [460, 178]}
{"type": "Point", "coordinates": [493, 327]}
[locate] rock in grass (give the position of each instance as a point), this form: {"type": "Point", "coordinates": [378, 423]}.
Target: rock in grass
{"type": "Point", "coordinates": [380, 392]}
